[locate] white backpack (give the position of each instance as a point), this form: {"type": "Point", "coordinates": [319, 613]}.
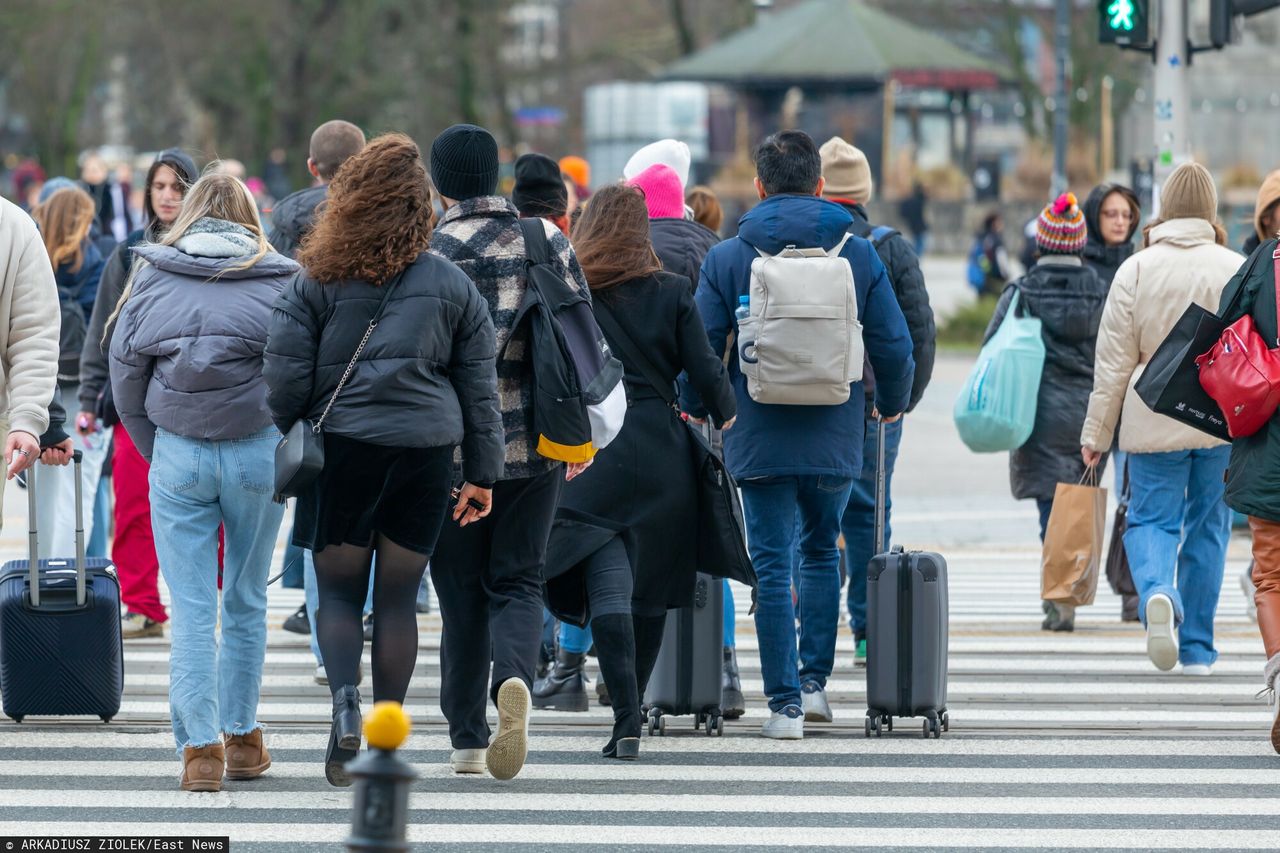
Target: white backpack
{"type": "Point", "coordinates": [802, 343]}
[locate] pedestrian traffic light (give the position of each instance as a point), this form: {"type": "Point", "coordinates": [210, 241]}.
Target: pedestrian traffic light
{"type": "Point", "coordinates": [1122, 21]}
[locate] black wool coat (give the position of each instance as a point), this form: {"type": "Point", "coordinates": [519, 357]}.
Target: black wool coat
{"type": "Point", "coordinates": [641, 487]}
{"type": "Point", "coordinates": [1068, 300]}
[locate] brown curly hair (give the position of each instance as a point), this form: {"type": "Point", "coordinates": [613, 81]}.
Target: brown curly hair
{"type": "Point", "coordinates": [378, 217]}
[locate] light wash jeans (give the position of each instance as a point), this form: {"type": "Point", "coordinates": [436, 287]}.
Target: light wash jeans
{"type": "Point", "coordinates": [770, 505]}
{"type": "Point", "coordinates": [1176, 541]}
{"type": "Point", "coordinates": [197, 485]}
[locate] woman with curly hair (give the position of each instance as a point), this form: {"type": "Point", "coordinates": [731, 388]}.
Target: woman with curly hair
{"type": "Point", "coordinates": [419, 381]}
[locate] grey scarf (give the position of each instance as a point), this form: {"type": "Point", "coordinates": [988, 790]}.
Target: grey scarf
{"type": "Point", "coordinates": [217, 238]}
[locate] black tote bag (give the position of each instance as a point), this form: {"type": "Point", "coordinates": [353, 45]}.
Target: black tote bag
{"type": "Point", "coordinates": [1170, 385]}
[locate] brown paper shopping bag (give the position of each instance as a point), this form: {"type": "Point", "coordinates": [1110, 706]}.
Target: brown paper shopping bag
{"type": "Point", "coordinates": [1073, 551]}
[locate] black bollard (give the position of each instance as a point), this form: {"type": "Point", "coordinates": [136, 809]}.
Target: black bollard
{"type": "Point", "coordinates": [381, 808]}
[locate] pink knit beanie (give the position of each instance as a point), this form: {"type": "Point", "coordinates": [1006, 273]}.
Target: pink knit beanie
{"type": "Point", "coordinates": [663, 193]}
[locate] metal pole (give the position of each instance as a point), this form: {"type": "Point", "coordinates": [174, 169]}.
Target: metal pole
{"type": "Point", "coordinates": [1061, 100]}
{"type": "Point", "coordinates": [1172, 94]}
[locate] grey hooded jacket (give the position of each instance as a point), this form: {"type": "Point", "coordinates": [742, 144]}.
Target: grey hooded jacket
{"type": "Point", "coordinates": [186, 355]}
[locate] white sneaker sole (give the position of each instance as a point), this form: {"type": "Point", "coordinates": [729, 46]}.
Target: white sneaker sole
{"type": "Point", "coordinates": [1162, 641]}
{"type": "Point", "coordinates": [506, 754]}
{"type": "Point", "coordinates": [468, 766]}
{"type": "Point", "coordinates": [816, 713]}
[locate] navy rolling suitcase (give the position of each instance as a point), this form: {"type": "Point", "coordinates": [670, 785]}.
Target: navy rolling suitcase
{"type": "Point", "coordinates": [60, 646]}
{"type": "Point", "coordinates": [687, 676]}
{"type": "Point", "coordinates": [906, 630]}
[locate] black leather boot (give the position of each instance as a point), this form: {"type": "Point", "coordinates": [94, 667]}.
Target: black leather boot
{"type": "Point", "coordinates": [565, 687]}
{"type": "Point", "coordinates": [648, 632]}
{"type": "Point", "coordinates": [732, 703]}
{"type": "Point", "coordinates": [344, 736]}
{"type": "Point", "coordinates": [546, 654]}
{"type": "Point", "coordinates": [616, 654]}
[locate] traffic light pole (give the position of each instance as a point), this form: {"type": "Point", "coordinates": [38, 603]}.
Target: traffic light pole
{"type": "Point", "coordinates": [1172, 93]}
{"type": "Point", "coordinates": [1061, 98]}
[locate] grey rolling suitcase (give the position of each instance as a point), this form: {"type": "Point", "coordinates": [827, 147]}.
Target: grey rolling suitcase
{"type": "Point", "coordinates": [686, 677]}
{"type": "Point", "coordinates": [60, 645]}
{"type": "Point", "coordinates": [906, 630]}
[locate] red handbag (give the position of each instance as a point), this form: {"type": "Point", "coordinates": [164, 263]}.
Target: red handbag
{"type": "Point", "coordinates": [1242, 374]}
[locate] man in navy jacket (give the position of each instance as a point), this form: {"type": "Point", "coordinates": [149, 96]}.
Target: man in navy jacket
{"type": "Point", "coordinates": [799, 459]}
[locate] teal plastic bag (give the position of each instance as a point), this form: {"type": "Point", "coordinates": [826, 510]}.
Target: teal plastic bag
{"type": "Point", "coordinates": [996, 409]}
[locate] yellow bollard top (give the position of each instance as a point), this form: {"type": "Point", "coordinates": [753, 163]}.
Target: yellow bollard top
{"type": "Point", "coordinates": [387, 725]}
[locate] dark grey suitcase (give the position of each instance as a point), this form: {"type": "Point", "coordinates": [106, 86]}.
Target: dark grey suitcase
{"type": "Point", "coordinates": [60, 645]}
{"type": "Point", "coordinates": [906, 630]}
{"type": "Point", "coordinates": [686, 677]}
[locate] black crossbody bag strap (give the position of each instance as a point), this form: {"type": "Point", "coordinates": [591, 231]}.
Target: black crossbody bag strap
{"type": "Point", "coordinates": [633, 354]}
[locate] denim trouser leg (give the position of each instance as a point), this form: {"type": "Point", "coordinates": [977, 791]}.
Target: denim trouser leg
{"type": "Point", "coordinates": [730, 618]}
{"type": "Point", "coordinates": [1157, 503]}
{"type": "Point", "coordinates": [574, 639]}
{"type": "Point", "coordinates": [1206, 531]}
{"type": "Point", "coordinates": [770, 505]}
{"type": "Point", "coordinates": [101, 523]}
{"type": "Point", "coordinates": [858, 524]}
{"type": "Point", "coordinates": [1045, 508]}
{"type": "Point", "coordinates": [252, 521]}
{"type": "Point", "coordinates": [292, 567]}
{"type": "Point", "coordinates": [822, 502]}
{"type": "Point", "coordinates": [312, 598]}
{"type": "Point", "coordinates": [185, 516]}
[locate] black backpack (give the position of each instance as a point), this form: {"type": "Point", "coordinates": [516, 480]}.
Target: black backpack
{"type": "Point", "coordinates": [579, 400]}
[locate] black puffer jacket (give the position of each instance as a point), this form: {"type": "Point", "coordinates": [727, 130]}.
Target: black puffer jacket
{"type": "Point", "coordinates": [903, 266]}
{"type": "Point", "coordinates": [681, 245]}
{"type": "Point", "coordinates": [292, 218]}
{"type": "Point", "coordinates": [425, 379]}
{"type": "Point", "coordinates": [1253, 476]}
{"type": "Point", "coordinates": [1068, 299]}
{"type": "Point", "coordinates": [1104, 259]}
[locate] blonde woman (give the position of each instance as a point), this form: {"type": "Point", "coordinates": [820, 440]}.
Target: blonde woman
{"type": "Point", "coordinates": [186, 369]}
{"type": "Point", "coordinates": [65, 217]}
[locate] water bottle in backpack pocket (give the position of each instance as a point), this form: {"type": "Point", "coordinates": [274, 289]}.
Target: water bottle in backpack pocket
{"type": "Point", "coordinates": [801, 343]}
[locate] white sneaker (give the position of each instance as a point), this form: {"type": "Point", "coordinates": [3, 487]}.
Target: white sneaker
{"type": "Point", "coordinates": [510, 746]}
{"type": "Point", "coordinates": [787, 724]}
{"type": "Point", "coordinates": [467, 760]}
{"type": "Point", "coordinates": [814, 701]}
{"type": "Point", "coordinates": [1249, 590]}
{"type": "Point", "coordinates": [1162, 637]}
{"type": "Point", "coordinates": [1199, 669]}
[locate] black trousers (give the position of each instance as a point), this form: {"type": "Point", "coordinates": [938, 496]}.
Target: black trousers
{"type": "Point", "coordinates": [488, 577]}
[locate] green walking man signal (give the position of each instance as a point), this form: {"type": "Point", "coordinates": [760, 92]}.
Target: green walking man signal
{"type": "Point", "coordinates": [1122, 21]}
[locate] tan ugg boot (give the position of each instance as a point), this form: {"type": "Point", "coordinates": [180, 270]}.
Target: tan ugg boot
{"type": "Point", "coordinates": [247, 756]}
{"type": "Point", "coordinates": [202, 767]}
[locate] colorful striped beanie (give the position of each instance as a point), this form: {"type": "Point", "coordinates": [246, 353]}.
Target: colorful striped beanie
{"type": "Point", "coordinates": [1060, 229]}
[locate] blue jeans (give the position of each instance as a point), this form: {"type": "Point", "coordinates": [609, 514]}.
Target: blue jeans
{"type": "Point", "coordinates": [1045, 509]}
{"type": "Point", "coordinates": [292, 568]}
{"type": "Point", "coordinates": [197, 485]}
{"type": "Point", "coordinates": [1175, 499]}
{"type": "Point", "coordinates": [859, 521]}
{"type": "Point", "coordinates": [101, 522]}
{"type": "Point", "coordinates": [730, 617]}
{"type": "Point", "coordinates": [312, 593]}
{"type": "Point", "coordinates": [770, 505]}
{"type": "Point", "coordinates": [574, 639]}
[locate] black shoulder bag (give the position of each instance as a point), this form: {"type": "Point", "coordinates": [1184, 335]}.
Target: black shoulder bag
{"type": "Point", "coordinates": [300, 453]}
{"type": "Point", "coordinates": [722, 546]}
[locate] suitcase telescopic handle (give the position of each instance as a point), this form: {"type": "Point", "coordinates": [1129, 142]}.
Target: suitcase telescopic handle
{"type": "Point", "coordinates": [880, 485]}
{"type": "Point", "coordinates": [33, 536]}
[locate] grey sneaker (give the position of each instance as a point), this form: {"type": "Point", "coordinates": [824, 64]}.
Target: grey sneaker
{"type": "Point", "coordinates": [135, 626]}
{"type": "Point", "coordinates": [1249, 590]}
{"type": "Point", "coordinates": [467, 760]}
{"type": "Point", "coordinates": [1162, 636]}
{"type": "Point", "coordinates": [787, 724]}
{"type": "Point", "coordinates": [814, 699]}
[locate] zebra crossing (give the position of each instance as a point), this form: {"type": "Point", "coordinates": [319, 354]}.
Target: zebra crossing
{"type": "Point", "coordinates": [1057, 741]}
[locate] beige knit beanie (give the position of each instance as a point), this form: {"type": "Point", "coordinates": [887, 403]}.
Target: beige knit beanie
{"type": "Point", "coordinates": [846, 170]}
{"type": "Point", "coordinates": [1189, 194]}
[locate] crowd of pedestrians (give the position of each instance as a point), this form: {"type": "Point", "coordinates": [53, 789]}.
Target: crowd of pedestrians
{"type": "Point", "coordinates": [389, 309]}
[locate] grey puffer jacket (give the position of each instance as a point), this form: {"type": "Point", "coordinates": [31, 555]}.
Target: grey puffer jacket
{"type": "Point", "coordinates": [186, 354]}
{"type": "Point", "coordinates": [426, 377]}
{"type": "Point", "coordinates": [681, 245]}
{"type": "Point", "coordinates": [1068, 298]}
{"type": "Point", "coordinates": [293, 217]}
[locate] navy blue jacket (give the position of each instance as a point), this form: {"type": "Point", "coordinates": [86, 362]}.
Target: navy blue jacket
{"type": "Point", "coordinates": [771, 440]}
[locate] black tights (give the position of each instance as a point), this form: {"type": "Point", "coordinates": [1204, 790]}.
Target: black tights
{"type": "Point", "coordinates": [342, 577]}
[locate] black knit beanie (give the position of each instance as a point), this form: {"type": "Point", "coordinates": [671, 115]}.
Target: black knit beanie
{"type": "Point", "coordinates": [539, 189]}
{"type": "Point", "coordinates": [464, 162]}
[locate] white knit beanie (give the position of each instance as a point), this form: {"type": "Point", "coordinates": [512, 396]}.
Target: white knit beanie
{"type": "Point", "coordinates": [668, 152]}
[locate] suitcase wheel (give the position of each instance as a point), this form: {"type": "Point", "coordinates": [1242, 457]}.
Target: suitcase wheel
{"type": "Point", "coordinates": [662, 726]}
{"type": "Point", "coordinates": [17, 718]}
{"type": "Point", "coordinates": [946, 721]}
{"type": "Point", "coordinates": [698, 719]}
{"type": "Point", "coordinates": [887, 722]}
{"type": "Point", "coordinates": [866, 726]}
{"type": "Point", "coordinates": [106, 718]}
{"type": "Point", "coordinates": [715, 725]}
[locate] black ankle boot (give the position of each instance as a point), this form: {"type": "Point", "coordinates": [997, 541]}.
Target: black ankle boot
{"type": "Point", "coordinates": [732, 704]}
{"type": "Point", "coordinates": [616, 654]}
{"type": "Point", "coordinates": [344, 736]}
{"type": "Point", "coordinates": [564, 688]}
{"type": "Point", "coordinates": [648, 631]}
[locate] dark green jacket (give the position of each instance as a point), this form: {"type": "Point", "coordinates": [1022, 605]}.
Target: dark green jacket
{"type": "Point", "coordinates": [1253, 478]}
